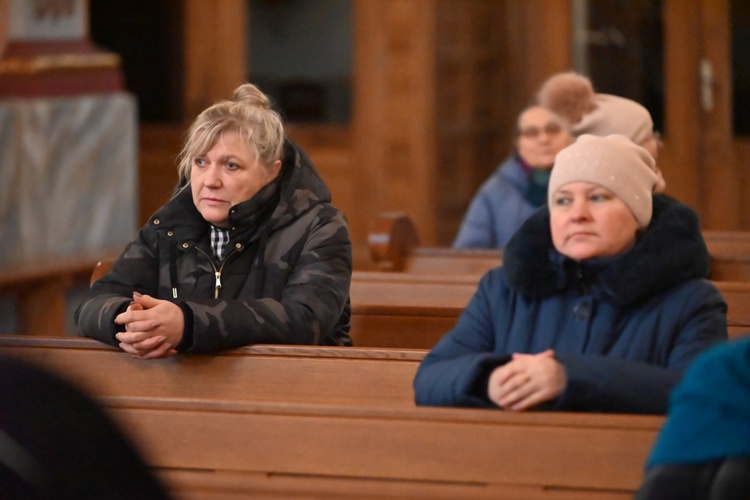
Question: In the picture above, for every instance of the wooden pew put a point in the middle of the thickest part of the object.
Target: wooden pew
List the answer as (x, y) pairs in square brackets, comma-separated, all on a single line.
[(393, 243), (41, 288), (283, 420), (400, 311), (397, 309), (403, 310), (414, 310), (737, 297), (475, 452), (730, 255), (295, 374)]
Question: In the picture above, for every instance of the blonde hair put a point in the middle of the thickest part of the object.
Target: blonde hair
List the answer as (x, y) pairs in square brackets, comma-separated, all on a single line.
[(248, 113)]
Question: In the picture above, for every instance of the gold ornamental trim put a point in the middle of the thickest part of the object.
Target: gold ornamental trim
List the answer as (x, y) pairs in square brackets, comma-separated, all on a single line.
[(52, 62)]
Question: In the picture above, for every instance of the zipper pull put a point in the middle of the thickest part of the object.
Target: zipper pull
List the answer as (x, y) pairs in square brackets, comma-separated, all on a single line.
[(218, 284)]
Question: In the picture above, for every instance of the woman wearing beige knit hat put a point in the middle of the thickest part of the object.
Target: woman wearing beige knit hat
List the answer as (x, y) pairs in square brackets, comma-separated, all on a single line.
[(600, 196), (572, 96), (601, 302)]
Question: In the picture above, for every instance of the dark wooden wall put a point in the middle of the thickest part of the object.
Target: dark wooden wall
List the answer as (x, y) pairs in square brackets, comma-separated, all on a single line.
[(437, 85)]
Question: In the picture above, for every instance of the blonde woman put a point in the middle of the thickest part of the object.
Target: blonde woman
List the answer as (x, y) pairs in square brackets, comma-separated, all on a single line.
[(250, 250)]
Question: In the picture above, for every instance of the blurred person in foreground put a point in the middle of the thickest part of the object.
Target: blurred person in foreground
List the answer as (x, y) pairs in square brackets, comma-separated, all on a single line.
[(56, 443), (703, 450)]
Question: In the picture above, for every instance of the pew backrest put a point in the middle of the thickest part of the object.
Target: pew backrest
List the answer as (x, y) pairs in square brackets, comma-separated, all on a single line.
[(730, 255), (41, 290), (393, 243), (581, 453), (409, 313), (737, 297), (414, 310), (310, 374)]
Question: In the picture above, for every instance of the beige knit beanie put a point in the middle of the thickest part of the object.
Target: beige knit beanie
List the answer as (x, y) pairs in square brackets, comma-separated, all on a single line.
[(614, 162), (572, 96), (616, 115)]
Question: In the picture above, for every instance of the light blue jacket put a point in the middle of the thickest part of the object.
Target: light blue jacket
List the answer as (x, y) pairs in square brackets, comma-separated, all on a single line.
[(498, 209)]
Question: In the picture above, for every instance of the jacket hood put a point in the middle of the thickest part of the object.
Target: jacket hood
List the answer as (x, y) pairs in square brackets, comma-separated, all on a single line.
[(299, 187), (670, 251)]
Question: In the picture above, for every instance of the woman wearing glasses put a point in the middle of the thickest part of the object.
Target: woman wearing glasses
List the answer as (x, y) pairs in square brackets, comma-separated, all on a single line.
[(519, 186)]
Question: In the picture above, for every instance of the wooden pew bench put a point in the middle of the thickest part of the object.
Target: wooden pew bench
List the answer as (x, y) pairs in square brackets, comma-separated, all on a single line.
[(40, 290), (298, 374), (414, 310), (403, 310), (730, 255), (274, 420), (398, 309), (475, 452), (393, 243)]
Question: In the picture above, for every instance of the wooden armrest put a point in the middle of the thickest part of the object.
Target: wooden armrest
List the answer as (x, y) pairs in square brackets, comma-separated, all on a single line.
[(391, 237)]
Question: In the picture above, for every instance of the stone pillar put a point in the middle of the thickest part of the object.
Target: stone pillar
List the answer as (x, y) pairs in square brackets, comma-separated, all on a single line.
[(68, 158)]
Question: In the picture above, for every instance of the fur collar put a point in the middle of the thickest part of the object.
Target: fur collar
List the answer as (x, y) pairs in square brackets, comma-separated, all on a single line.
[(670, 251)]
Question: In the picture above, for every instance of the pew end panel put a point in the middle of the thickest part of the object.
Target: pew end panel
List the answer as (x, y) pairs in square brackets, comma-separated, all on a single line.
[(42, 291), (393, 243), (390, 238), (730, 255), (737, 297)]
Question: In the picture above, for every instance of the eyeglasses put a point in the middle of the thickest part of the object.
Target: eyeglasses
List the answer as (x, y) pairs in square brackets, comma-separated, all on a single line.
[(550, 129)]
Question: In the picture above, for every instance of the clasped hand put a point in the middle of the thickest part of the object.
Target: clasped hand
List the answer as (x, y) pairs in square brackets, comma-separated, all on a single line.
[(526, 381), (153, 327)]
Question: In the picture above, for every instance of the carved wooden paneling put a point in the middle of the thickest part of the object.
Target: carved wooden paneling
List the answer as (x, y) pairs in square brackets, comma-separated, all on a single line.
[(394, 109), (721, 193), (436, 89), (471, 91), (215, 44)]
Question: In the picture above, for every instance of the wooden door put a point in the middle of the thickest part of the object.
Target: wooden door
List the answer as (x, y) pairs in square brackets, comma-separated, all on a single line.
[(676, 57), (702, 150), (724, 76)]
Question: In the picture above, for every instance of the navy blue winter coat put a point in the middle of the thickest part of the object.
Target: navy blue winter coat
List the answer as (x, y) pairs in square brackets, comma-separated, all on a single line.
[(624, 328)]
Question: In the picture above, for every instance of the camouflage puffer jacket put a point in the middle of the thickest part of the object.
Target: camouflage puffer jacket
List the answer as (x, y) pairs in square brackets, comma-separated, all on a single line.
[(284, 280)]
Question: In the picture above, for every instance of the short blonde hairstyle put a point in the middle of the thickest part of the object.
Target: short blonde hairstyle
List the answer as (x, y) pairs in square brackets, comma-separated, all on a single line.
[(249, 113)]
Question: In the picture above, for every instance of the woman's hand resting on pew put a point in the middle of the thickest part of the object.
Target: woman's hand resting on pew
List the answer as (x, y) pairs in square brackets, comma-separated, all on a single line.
[(526, 381), (153, 327)]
